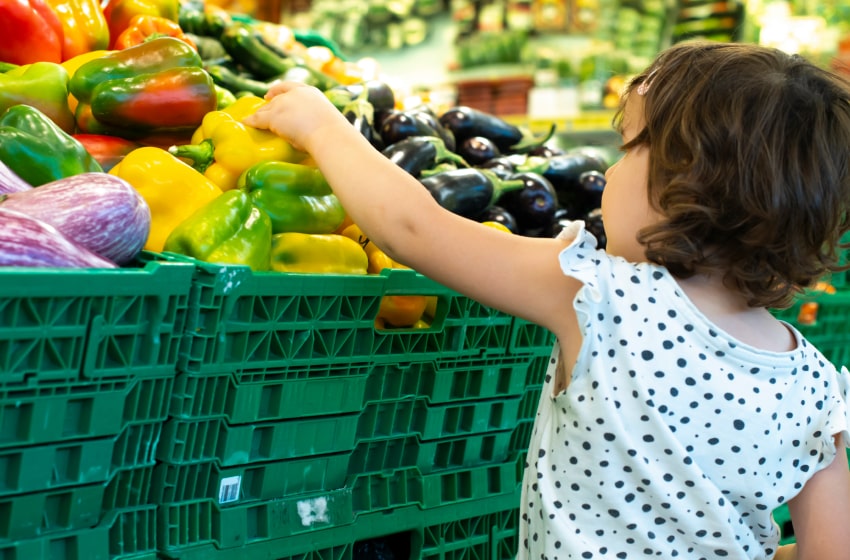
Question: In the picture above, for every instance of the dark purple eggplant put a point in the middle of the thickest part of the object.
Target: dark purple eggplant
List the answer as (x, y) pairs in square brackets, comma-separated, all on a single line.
[(563, 172), (533, 205), (466, 122), (498, 214), (500, 165), (98, 211), (468, 191), (415, 154), (593, 224), (399, 125), (364, 126), (10, 182), (546, 151), (592, 184), (478, 150), (378, 93), (29, 242)]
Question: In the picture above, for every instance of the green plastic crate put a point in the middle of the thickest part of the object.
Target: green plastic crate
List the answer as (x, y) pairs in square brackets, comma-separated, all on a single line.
[(241, 484), (485, 529), (245, 397), (213, 439), (830, 332), (82, 481), (127, 534), (244, 319), (79, 410), (60, 325), (202, 523)]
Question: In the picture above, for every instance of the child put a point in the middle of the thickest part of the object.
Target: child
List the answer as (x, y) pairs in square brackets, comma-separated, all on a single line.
[(677, 412)]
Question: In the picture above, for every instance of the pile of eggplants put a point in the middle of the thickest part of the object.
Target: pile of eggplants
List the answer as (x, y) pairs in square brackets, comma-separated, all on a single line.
[(479, 166)]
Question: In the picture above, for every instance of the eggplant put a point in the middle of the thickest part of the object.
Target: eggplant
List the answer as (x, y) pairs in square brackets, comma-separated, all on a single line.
[(533, 205), (563, 171), (28, 242), (468, 191), (593, 224), (399, 125), (415, 154), (478, 149), (498, 214), (378, 93), (500, 165), (98, 211), (592, 184), (10, 182), (465, 122)]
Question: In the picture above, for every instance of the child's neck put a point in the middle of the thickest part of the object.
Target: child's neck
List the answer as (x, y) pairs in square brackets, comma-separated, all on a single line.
[(728, 310)]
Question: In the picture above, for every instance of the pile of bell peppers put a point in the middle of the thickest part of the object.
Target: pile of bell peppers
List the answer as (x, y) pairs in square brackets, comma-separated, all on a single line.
[(131, 89)]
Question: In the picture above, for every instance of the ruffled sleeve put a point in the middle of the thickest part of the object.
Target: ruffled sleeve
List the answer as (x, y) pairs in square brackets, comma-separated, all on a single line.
[(582, 260), (839, 407)]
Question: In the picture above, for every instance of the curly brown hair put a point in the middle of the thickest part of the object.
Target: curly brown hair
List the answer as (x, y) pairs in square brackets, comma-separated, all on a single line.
[(749, 163)]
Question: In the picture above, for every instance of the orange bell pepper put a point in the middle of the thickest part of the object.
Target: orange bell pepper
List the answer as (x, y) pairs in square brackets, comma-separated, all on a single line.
[(83, 24), (394, 311), (143, 27), (119, 13)]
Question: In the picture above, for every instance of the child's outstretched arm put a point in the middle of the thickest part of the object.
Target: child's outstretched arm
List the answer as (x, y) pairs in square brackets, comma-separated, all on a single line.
[(518, 275)]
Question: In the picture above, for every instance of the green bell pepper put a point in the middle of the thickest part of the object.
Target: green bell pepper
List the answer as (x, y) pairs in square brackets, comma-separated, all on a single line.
[(43, 85), (296, 197), (228, 229), (35, 148)]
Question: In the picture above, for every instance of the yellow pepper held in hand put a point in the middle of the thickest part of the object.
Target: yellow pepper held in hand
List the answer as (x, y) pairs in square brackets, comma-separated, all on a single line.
[(222, 148), (172, 189)]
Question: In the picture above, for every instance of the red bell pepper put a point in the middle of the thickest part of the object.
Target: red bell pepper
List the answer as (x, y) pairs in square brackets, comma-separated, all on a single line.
[(107, 150), (31, 32)]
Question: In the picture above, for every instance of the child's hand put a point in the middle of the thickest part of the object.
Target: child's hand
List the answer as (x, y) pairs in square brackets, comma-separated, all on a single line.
[(296, 112)]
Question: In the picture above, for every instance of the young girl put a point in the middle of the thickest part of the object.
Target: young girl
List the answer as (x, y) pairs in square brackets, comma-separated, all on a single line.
[(677, 412)]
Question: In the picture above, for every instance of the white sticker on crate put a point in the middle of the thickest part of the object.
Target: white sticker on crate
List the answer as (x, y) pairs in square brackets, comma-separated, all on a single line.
[(228, 489), (313, 511)]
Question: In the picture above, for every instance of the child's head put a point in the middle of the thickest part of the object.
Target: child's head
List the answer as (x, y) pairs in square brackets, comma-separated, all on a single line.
[(749, 165)]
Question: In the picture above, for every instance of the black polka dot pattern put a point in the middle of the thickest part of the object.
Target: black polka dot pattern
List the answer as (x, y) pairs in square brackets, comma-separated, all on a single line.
[(672, 440)]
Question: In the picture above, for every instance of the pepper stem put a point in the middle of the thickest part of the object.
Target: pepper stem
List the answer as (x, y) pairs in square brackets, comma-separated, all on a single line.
[(202, 155)]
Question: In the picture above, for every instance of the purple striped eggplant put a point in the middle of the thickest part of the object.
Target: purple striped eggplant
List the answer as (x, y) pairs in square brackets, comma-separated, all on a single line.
[(98, 211), (10, 182), (28, 242)]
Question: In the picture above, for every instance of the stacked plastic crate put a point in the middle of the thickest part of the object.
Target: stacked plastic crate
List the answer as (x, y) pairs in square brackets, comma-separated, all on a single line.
[(87, 365), (299, 430)]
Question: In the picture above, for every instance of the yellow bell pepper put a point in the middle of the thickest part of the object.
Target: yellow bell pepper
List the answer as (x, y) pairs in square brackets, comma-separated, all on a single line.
[(222, 148), (394, 311), (84, 26), (172, 189), (320, 253)]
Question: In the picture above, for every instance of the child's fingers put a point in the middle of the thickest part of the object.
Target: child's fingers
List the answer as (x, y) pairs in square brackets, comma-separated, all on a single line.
[(282, 87)]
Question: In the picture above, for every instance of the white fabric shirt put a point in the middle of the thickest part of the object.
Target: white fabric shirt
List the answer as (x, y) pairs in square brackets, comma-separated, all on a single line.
[(672, 439)]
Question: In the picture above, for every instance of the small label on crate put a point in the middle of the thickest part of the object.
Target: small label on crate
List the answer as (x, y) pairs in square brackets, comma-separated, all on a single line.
[(228, 490), (313, 511)]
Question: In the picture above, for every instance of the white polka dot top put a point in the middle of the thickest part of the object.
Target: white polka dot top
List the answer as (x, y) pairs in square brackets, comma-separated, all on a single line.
[(672, 439)]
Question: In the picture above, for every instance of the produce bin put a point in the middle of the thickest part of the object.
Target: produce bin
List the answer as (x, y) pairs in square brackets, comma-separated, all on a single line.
[(64, 325), (485, 528), (241, 320), (88, 359)]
